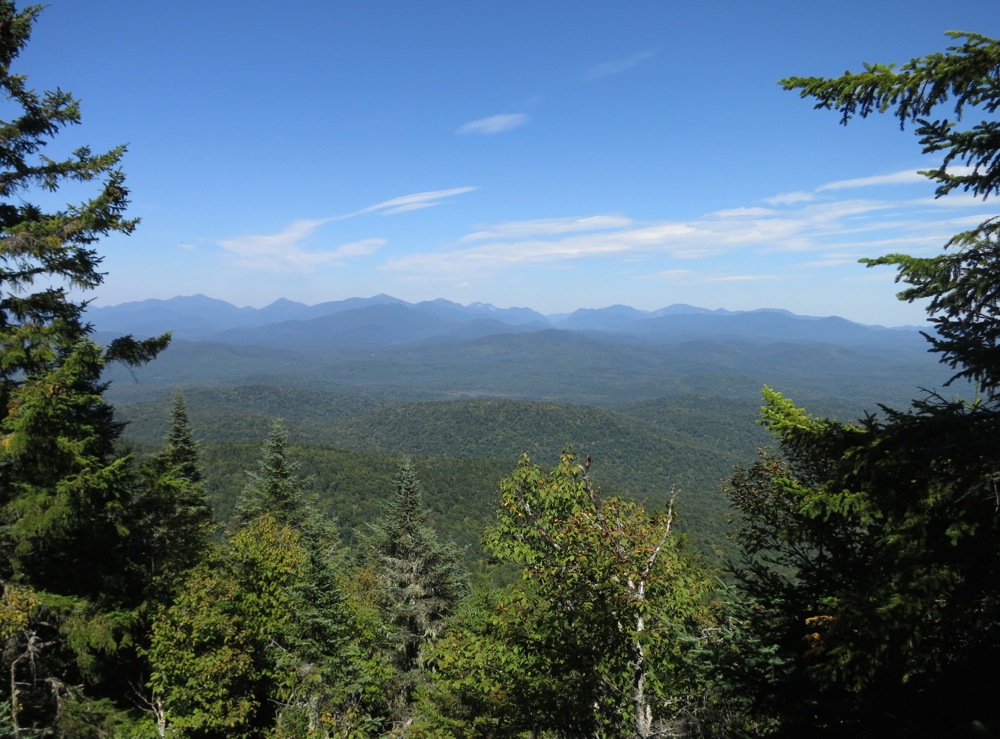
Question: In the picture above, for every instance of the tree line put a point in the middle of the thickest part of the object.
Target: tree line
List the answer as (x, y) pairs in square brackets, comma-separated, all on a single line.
[(864, 602)]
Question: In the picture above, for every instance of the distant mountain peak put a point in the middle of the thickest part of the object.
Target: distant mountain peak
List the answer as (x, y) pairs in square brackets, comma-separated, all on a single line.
[(385, 320), (685, 309)]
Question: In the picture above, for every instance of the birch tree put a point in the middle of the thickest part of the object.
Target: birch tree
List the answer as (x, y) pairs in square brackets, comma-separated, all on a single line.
[(612, 602)]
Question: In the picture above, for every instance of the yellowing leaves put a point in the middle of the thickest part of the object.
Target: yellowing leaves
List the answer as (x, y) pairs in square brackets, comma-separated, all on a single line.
[(16, 605)]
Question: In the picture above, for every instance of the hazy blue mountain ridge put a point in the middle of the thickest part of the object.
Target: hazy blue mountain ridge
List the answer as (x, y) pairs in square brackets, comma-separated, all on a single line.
[(663, 399), (382, 321)]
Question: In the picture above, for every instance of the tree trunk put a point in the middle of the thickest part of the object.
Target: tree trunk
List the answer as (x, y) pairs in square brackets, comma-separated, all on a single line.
[(643, 711)]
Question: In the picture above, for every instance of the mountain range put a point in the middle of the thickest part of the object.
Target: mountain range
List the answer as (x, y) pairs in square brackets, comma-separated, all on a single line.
[(385, 321), (662, 398)]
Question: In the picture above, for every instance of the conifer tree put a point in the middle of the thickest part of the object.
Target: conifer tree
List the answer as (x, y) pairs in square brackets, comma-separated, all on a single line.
[(421, 579), (274, 487), (181, 451), (170, 514), (277, 652), (960, 284), (63, 489), (873, 548), (314, 657)]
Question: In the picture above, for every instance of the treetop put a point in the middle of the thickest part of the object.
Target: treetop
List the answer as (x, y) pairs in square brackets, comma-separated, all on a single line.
[(966, 74)]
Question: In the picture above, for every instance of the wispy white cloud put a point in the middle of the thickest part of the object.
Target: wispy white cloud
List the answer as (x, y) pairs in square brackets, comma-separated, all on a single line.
[(548, 227), (494, 124), (827, 226), (692, 277), (790, 198), (741, 278), (285, 250), (673, 273), (829, 262), (282, 251), (743, 213), (407, 203), (906, 177), (609, 69), (954, 200), (361, 248), (681, 240)]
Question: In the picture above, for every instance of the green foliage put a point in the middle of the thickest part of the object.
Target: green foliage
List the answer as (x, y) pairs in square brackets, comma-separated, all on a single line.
[(487, 674), (64, 492), (202, 657), (872, 548), (217, 651), (600, 639), (961, 285), (463, 447), (318, 391), (870, 553), (274, 488), (46, 254), (182, 452), (170, 515), (419, 578), (65, 536), (966, 76), (262, 637)]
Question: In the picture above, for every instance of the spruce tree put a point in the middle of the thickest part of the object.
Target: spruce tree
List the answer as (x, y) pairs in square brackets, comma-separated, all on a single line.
[(259, 637), (170, 515), (937, 95), (182, 451), (274, 487), (421, 579), (313, 673), (64, 491), (873, 548)]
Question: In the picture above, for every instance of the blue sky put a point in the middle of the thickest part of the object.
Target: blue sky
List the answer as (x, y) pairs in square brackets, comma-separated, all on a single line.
[(549, 154)]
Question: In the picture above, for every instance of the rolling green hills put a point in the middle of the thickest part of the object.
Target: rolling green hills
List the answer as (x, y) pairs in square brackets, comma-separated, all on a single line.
[(657, 413)]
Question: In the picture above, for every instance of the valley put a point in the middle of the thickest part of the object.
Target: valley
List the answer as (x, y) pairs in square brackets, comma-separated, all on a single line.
[(662, 401)]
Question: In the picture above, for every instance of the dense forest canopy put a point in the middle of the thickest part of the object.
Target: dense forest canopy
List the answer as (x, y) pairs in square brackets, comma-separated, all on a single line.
[(861, 600)]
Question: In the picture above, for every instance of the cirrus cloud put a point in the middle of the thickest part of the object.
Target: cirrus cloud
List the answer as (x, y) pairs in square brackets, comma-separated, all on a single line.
[(829, 229), (548, 226), (494, 124), (609, 69), (285, 251), (415, 201), (906, 177)]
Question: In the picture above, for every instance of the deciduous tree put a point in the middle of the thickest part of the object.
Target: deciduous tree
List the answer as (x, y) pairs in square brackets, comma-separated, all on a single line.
[(260, 638), (601, 638)]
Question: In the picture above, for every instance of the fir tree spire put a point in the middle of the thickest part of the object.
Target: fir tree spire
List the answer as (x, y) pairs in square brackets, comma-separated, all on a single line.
[(275, 487), (421, 579), (181, 452)]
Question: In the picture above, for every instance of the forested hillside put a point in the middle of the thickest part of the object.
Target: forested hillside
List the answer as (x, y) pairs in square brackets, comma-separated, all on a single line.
[(660, 417), (463, 448), (432, 520), (554, 365)]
